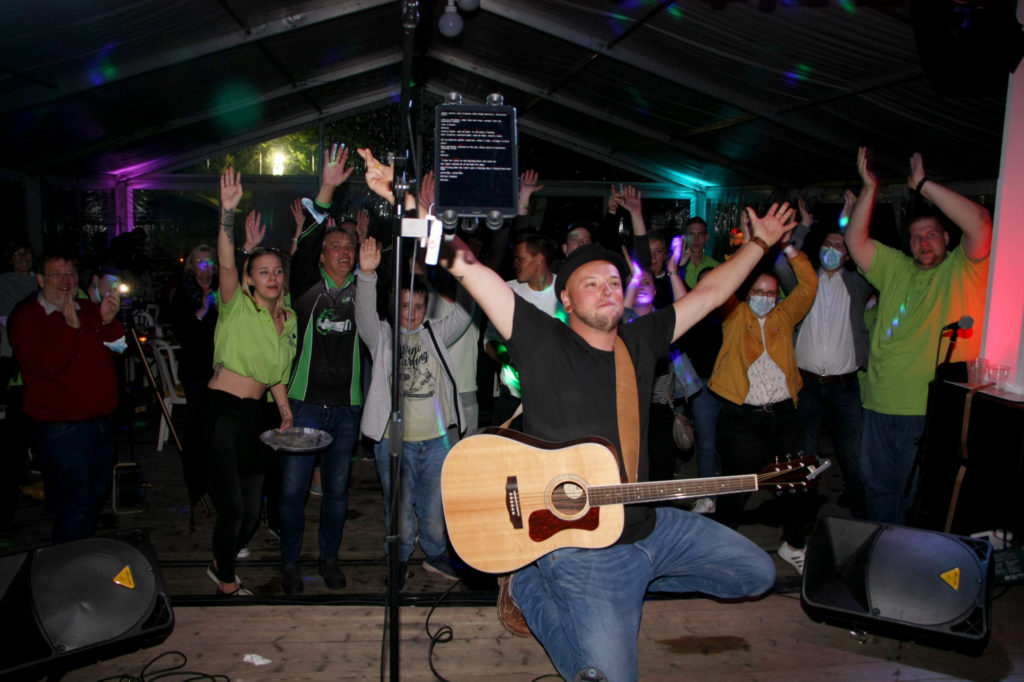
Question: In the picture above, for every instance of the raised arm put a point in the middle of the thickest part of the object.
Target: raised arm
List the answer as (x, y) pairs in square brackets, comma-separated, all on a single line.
[(632, 201), (858, 233), (527, 186), (672, 264), (723, 280), (230, 195), (486, 287), (974, 219), (335, 173), (629, 295)]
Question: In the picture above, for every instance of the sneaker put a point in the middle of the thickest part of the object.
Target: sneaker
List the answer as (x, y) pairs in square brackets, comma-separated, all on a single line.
[(239, 592), (291, 578), (243, 553), (334, 578), (444, 567), (704, 505), (792, 556), (212, 575)]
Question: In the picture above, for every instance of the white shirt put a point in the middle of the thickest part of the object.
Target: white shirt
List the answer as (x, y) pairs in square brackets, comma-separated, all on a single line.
[(767, 380), (824, 344)]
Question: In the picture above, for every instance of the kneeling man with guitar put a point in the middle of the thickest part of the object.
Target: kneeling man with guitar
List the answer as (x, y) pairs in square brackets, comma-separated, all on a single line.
[(581, 382)]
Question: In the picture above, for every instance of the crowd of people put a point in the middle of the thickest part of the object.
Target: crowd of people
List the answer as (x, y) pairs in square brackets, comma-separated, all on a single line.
[(766, 347)]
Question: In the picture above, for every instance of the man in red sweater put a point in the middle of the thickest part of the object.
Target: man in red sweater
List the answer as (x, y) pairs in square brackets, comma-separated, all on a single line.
[(70, 392)]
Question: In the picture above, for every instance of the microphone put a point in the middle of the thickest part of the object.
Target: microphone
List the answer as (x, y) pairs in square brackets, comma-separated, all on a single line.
[(965, 322)]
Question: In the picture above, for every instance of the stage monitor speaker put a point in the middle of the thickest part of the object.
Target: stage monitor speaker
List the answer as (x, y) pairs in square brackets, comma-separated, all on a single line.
[(70, 605), (928, 587)]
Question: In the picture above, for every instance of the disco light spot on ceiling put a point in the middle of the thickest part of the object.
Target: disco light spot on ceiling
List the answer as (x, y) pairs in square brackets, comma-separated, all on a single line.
[(238, 108)]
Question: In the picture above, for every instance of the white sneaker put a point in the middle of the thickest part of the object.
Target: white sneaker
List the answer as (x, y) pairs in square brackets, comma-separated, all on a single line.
[(793, 557), (243, 553), (704, 505)]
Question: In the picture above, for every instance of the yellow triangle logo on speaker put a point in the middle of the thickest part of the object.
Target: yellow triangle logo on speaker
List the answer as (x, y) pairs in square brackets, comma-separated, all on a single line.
[(124, 578), (952, 578)]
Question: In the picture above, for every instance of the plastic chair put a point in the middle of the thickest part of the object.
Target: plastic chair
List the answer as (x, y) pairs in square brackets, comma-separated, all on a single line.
[(142, 320), (171, 389)]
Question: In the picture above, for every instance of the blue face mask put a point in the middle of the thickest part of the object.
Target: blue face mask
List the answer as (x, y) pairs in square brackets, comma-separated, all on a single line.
[(118, 346), (830, 258), (762, 305)]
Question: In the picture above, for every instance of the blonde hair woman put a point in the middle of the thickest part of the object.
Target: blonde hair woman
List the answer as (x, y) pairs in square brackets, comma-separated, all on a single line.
[(254, 344)]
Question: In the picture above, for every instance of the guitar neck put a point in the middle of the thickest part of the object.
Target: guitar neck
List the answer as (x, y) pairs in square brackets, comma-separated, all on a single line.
[(659, 491)]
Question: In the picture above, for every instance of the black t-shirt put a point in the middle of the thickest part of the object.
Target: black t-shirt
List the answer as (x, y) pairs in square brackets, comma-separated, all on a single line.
[(568, 386), (327, 366)]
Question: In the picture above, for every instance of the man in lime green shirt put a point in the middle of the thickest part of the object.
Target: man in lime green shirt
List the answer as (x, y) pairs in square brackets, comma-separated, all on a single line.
[(918, 295), (696, 233)]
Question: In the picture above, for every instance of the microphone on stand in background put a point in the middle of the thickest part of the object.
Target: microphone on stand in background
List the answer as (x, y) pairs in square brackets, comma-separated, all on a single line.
[(965, 322)]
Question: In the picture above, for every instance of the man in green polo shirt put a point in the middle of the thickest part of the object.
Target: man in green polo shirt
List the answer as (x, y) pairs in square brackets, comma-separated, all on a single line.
[(918, 295)]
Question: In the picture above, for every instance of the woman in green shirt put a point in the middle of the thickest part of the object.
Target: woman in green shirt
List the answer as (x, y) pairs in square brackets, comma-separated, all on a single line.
[(254, 344)]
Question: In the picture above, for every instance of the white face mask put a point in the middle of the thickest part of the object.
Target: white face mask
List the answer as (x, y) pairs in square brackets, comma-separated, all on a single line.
[(118, 346), (830, 258), (762, 305)]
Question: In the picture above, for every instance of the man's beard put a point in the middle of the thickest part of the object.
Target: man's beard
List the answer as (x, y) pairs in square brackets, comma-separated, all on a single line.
[(600, 321)]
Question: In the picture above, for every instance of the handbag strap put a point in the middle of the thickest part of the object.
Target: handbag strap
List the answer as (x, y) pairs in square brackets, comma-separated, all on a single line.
[(628, 408)]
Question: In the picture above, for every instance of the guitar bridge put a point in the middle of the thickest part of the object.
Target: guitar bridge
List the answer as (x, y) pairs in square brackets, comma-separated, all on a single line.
[(515, 510)]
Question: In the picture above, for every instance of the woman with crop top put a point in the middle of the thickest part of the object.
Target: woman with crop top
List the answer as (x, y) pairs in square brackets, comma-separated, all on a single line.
[(254, 344)]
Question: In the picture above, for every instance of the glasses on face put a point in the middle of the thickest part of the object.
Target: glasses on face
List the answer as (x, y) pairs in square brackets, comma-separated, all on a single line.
[(60, 275), (205, 263), (764, 292)]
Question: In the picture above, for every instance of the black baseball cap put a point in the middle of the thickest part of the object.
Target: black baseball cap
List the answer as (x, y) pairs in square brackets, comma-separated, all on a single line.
[(587, 254)]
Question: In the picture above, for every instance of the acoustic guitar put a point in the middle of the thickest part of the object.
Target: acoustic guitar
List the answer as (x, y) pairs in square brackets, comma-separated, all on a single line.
[(509, 499)]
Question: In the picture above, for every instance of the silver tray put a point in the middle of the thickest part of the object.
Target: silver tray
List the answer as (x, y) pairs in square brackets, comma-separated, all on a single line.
[(297, 439)]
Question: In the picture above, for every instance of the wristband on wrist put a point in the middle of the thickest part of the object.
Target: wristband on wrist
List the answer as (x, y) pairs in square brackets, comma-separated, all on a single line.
[(323, 206), (760, 242), (921, 184)]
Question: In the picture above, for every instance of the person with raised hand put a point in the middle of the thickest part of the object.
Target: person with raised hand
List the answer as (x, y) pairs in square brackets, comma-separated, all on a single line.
[(254, 343), (918, 295), (431, 407), (584, 605)]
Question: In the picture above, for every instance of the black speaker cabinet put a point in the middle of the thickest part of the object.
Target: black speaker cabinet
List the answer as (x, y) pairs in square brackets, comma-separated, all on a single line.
[(928, 587), (70, 605)]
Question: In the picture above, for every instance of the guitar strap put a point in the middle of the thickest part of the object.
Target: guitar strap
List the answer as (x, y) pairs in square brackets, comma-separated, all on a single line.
[(628, 406)]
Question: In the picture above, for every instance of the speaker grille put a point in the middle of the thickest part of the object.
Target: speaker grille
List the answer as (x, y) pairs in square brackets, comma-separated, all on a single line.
[(78, 596)]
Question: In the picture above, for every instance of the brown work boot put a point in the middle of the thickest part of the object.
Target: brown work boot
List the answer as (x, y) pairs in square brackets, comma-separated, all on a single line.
[(508, 613)]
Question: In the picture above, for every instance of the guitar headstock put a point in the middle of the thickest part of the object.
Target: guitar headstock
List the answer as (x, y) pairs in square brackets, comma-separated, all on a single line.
[(796, 473)]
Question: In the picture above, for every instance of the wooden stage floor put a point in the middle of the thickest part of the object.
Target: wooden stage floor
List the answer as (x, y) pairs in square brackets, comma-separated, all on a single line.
[(332, 635)]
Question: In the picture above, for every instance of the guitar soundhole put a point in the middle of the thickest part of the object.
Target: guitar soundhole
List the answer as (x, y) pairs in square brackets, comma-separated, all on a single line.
[(568, 498)]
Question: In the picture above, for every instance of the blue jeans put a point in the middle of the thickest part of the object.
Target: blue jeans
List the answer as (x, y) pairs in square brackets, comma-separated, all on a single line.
[(420, 495), (342, 422), (77, 460), (838, 405), (584, 605), (706, 406), (887, 451)]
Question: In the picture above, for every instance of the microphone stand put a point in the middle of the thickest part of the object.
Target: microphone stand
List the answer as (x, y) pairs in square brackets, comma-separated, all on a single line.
[(410, 19), (952, 344)]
